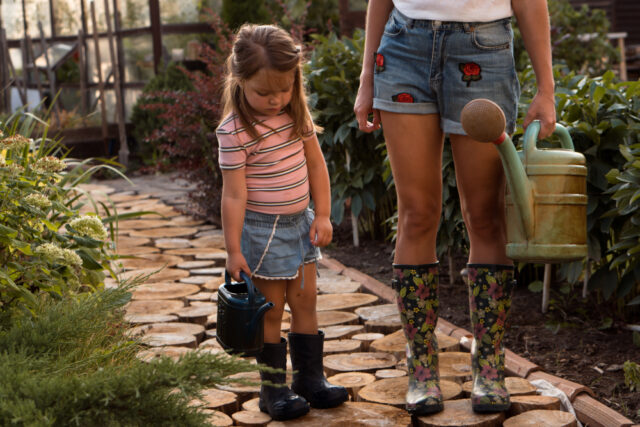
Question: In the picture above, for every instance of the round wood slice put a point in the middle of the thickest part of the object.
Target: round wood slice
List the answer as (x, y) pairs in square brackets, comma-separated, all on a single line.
[(344, 301), (189, 265), (156, 275), (354, 414), (186, 221), (208, 230), (384, 325), (149, 261), (244, 392), (127, 242), (363, 362), (141, 319), (211, 271), (197, 280), (520, 404), (252, 405), (392, 391), (212, 320), (210, 343), (195, 314), (329, 286), (154, 353), (390, 373), (170, 328), (127, 196), (516, 386), (163, 232), (459, 413), (352, 381), (219, 257), (142, 224), (209, 241), (217, 418), (210, 333), (251, 418), (213, 284), (341, 331), (376, 311), (341, 346), (172, 243), (329, 318), (367, 338), (396, 343), (540, 417), (220, 400), (455, 366), (136, 250), (153, 307), (175, 340), (200, 296), (194, 251), (160, 291)]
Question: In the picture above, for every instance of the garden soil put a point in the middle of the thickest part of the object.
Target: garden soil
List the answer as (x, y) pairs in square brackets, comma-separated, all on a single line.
[(568, 342)]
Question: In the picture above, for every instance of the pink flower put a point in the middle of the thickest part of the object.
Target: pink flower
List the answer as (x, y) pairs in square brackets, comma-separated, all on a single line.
[(422, 374), (471, 274), (434, 391), (400, 304), (411, 331), (479, 331), (495, 291), (502, 317), (423, 291), (431, 317), (489, 373)]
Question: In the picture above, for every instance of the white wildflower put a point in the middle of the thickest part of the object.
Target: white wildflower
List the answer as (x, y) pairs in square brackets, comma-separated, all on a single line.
[(15, 169), (49, 164), (37, 200), (91, 226), (14, 142), (57, 254), (71, 258)]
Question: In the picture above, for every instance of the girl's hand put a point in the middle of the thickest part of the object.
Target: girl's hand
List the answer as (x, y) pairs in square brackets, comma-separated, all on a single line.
[(321, 231), (364, 106), (235, 264), (542, 108)]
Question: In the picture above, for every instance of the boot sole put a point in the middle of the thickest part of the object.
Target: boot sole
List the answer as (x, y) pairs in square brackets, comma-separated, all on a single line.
[(425, 410), (490, 408), (290, 415)]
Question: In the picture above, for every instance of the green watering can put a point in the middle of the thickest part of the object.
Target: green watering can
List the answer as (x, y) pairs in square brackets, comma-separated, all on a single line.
[(546, 199)]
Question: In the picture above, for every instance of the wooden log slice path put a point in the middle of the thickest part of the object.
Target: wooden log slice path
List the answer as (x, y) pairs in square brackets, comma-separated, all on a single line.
[(361, 362), (213, 284), (156, 275), (251, 418), (127, 242), (216, 256), (352, 381), (196, 313), (154, 353), (136, 250), (199, 297), (143, 318), (252, 405), (157, 233), (376, 311), (189, 265), (150, 307), (455, 366), (211, 271), (186, 221), (172, 243), (169, 328), (209, 241), (539, 417), (351, 414), (217, 418), (392, 391), (149, 261), (167, 339), (384, 325), (330, 302), (329, 318), (341, 346), (195, 251), (142, 224), (341, 331), (220, 400), (459, 413), (390, 373), (521, 404), (341, 285), (516, 386), (396, 343), (367, 338), (162, 291), (244, 392), (197, 280)]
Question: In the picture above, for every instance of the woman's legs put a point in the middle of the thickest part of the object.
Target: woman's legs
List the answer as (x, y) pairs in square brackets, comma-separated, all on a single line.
[(274, 291), (302, 301)]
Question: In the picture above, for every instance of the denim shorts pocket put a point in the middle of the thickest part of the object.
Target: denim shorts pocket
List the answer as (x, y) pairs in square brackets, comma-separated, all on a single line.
[(492, 36), (393, 27)]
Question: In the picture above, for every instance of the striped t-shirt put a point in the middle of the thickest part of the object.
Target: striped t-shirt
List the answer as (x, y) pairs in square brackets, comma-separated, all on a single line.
[(275, 164)]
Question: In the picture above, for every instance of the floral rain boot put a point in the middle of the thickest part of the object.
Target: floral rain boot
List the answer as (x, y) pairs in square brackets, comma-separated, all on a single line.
[(417, 288), (490, 288)]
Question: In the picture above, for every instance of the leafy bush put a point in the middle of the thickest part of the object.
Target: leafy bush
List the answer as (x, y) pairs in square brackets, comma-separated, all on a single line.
[(578, 39), (146, 119), (237, 12), (318, 16), (354, 158), (632, 375)]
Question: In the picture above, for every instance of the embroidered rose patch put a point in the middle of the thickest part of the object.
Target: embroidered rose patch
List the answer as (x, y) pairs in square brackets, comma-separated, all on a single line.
[(470, 72), (379, 62), (402, 97)]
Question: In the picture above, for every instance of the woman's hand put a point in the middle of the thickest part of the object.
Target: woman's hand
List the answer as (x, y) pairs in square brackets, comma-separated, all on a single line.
[(235, 264), (321, 231), (542, 108), (364, 106)]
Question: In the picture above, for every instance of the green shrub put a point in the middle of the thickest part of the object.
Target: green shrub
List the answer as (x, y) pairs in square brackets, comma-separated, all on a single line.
[(631, 375), (237, 12)]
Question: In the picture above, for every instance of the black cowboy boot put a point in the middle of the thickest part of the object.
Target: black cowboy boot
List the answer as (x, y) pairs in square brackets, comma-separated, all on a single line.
[(279, 402), (308, 374), (490, 288), (417, 287)]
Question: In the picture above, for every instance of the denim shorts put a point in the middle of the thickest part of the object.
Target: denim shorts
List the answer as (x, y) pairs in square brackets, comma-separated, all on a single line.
[(436, 67), (275, 246)]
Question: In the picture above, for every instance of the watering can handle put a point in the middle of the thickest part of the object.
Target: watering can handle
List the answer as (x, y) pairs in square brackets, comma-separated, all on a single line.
[(531, 136), (245, 277)]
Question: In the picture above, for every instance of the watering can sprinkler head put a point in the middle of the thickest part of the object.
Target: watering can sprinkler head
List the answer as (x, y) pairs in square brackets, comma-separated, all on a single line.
[(484, 121)]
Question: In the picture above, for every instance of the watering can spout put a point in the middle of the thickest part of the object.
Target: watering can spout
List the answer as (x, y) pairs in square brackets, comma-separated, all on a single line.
[(484, 121)]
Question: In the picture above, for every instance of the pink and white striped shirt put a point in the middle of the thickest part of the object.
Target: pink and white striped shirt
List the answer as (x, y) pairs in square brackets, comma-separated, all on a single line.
[(275, 164)]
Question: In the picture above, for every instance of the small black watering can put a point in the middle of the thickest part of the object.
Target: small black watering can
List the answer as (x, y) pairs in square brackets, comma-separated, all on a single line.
[(241, 309)]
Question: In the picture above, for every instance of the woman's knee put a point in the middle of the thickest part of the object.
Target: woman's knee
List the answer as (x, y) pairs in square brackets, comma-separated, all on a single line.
[(419, 218), (484, 222)]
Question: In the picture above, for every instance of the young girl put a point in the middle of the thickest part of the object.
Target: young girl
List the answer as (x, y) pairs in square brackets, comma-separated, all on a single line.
[(271, 160)]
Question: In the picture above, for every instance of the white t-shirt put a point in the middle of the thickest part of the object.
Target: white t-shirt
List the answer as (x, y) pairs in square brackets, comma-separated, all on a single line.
[(458, 10)]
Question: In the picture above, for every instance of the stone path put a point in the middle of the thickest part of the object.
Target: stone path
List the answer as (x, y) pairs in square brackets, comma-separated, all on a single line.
[(176, 311)]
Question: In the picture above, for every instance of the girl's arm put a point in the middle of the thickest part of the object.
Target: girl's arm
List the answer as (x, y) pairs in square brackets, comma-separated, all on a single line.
[(377, 14), (321, 231), (533, 19), (234, 202)]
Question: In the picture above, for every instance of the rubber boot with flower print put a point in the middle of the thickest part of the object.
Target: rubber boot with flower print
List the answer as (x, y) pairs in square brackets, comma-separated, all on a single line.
[(417, 288), (490, 288)]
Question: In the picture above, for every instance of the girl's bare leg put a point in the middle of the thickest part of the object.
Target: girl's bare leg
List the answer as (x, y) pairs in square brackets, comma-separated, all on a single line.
[(414, 143), (302, 302), (273, 290)]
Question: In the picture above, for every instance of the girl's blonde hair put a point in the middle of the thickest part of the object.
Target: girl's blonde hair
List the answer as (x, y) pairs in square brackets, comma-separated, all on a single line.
[(257, 47)]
